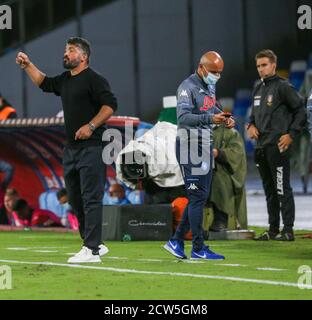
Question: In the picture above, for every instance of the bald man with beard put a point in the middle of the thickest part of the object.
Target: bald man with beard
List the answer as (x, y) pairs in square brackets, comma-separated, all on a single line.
[(197, 112)]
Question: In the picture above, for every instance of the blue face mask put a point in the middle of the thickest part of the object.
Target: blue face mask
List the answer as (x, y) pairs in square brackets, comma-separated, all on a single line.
[(211, 79)]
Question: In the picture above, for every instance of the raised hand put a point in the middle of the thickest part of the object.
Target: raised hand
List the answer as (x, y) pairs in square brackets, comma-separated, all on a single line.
[(22, 60)]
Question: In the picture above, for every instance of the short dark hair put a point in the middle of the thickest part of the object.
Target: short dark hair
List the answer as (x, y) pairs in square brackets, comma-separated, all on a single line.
[(267, 53), (11, 192), (61, 193), (82, 43), (20, 205)]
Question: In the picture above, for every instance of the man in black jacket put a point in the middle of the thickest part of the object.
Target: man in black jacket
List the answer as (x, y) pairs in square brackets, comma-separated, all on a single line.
[(87, 102), (277, 117)]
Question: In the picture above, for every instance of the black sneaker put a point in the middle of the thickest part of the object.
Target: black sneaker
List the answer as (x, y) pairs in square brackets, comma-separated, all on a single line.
[(285, 236), (266, 236)]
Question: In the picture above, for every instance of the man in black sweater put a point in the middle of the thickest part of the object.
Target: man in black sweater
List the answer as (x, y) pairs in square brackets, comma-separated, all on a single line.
[(87, 102), (278, 116)]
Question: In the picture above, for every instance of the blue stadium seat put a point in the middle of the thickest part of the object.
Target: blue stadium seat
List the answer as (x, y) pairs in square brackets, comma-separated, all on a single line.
[(309, 66), (249, 143), (105, 200), (242, 102), (297, 73), (142, 128), (227, 104), (241, 105), (136, 197), (48, 201)]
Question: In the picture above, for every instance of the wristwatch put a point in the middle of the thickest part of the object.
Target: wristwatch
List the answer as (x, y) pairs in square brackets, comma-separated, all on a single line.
[(91, 126)]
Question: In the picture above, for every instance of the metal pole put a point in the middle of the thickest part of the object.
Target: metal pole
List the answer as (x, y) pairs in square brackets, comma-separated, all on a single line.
[(78, 17), (190, 35), (22, 38), (136, 62), (298, 38), (50, 14), (245, 33)]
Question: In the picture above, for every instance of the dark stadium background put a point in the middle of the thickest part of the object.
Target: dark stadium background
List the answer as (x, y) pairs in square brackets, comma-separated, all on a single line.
[(146, 47)]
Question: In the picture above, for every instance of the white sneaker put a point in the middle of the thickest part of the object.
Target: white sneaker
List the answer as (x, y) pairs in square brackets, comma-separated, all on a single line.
[(103, 250), (85, 255)]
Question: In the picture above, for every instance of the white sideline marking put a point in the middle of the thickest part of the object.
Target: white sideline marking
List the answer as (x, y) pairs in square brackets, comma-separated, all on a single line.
[(174, 274), (270, 269), (220, 245), (231, 265), (48, 247), (113, 258), (147, 260), (150, 260), (34, 248), (44, 251), (190, 261)]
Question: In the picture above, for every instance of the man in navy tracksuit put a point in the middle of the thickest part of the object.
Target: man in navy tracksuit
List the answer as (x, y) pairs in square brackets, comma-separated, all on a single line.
[(196, 113)]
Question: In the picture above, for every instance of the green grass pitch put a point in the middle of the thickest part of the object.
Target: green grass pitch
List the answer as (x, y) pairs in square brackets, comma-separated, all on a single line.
[(145, 271)]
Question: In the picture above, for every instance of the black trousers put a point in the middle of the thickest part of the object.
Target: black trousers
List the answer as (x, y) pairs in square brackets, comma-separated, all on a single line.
[(274, 169), (85, 174)]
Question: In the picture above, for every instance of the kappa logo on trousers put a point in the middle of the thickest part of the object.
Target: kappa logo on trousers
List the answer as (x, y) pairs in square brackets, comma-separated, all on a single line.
[(192, 187)]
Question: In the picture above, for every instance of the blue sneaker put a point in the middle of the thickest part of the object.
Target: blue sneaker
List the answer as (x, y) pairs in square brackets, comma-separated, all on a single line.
[(207, 254), (176, 248)]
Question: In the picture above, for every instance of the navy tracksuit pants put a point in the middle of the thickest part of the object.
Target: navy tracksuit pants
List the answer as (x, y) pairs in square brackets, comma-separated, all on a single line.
[(198, 188)]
